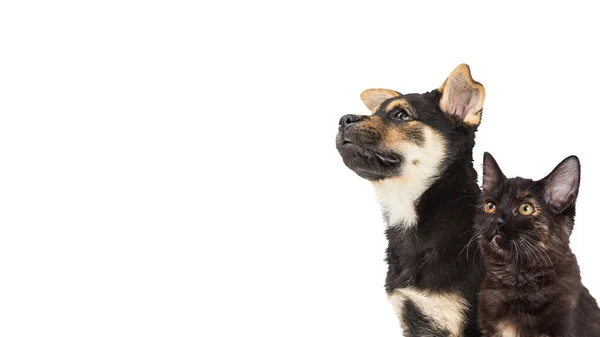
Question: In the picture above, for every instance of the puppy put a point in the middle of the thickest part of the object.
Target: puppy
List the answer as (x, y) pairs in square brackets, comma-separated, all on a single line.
[(416, 149)]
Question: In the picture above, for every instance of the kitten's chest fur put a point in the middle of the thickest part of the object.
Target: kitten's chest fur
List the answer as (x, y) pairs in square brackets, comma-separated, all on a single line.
[(557, 305)]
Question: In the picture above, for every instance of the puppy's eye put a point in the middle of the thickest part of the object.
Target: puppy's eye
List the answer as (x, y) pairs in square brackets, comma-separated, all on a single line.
[(489, 208), (525, 209), (400, 114)]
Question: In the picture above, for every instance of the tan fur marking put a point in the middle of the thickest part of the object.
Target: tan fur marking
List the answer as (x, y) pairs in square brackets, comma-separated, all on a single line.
[(395, 138), (567, 230), (544, 233), (573, 302), (398, 103), (473, 119), (397, 196), (372, 122), (446, 310), (372, 98), (537, 208)]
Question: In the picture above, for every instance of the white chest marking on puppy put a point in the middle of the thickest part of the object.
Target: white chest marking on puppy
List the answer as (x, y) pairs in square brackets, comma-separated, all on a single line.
[(397, 196), (446, 310)]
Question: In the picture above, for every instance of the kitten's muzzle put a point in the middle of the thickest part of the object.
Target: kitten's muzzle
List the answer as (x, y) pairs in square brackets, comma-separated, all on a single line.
[(498, 239), (498, 223)]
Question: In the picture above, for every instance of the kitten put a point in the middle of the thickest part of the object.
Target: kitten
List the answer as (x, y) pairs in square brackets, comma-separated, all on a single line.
[(532, 286)]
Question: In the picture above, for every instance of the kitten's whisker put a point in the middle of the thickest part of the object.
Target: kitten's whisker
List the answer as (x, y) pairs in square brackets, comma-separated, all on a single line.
[(539, 260), (548, 264), (467, 246), (539, 257), (514, 254), (516, 263), (518, 256), (465, 232), (478, 236), (534, 253), (540, 250)]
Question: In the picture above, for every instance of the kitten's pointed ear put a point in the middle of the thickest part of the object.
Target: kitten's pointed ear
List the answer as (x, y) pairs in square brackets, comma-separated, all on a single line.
[(561, 186), (462, 96), (374, 97), (492, 174)]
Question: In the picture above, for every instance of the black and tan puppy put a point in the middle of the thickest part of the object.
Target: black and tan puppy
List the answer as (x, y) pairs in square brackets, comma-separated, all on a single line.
[(416, 149)]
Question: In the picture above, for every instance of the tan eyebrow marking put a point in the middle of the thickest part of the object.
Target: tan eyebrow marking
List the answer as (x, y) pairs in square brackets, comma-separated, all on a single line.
[(400, 103)]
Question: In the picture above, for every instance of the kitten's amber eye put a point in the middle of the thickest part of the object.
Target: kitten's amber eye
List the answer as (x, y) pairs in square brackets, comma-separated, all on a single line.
[(489, 208), (525, 209)]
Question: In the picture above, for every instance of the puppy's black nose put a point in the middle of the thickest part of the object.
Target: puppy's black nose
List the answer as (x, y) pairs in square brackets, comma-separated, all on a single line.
[(348, 119)]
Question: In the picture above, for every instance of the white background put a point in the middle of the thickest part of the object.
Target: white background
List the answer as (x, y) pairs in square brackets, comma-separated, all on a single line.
[(169, 168)]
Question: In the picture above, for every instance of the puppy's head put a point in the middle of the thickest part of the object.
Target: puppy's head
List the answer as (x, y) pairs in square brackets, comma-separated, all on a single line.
[(413, 135)]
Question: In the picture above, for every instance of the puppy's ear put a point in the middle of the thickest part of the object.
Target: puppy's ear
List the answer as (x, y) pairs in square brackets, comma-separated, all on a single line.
[(492, 174), (462, 96), (562, 185), (374, 97)]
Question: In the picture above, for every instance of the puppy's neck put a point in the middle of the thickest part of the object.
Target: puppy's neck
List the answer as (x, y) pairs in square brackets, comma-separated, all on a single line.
[(422, 165), (399, 196)]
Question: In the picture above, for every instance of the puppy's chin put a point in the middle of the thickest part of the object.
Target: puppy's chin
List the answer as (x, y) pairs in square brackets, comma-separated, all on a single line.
[(369, 175), (368, 163)]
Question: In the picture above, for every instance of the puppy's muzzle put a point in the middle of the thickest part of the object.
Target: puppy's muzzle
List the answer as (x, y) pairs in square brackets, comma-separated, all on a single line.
[(346, 120)]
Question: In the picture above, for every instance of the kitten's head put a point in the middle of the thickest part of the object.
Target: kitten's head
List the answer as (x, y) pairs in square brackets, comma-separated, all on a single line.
[(521, 215)]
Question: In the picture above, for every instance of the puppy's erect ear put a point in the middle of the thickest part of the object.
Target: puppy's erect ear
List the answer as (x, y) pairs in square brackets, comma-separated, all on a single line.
[(462, 96), (492, 174), (374, 97), (562, 185)]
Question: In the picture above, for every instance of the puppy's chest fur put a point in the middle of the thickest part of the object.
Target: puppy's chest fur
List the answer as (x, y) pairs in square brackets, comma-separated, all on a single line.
[(432, 282), (426, 313)]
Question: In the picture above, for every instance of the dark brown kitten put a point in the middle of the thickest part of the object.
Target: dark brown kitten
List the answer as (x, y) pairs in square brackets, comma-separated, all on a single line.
[(532, 285)]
